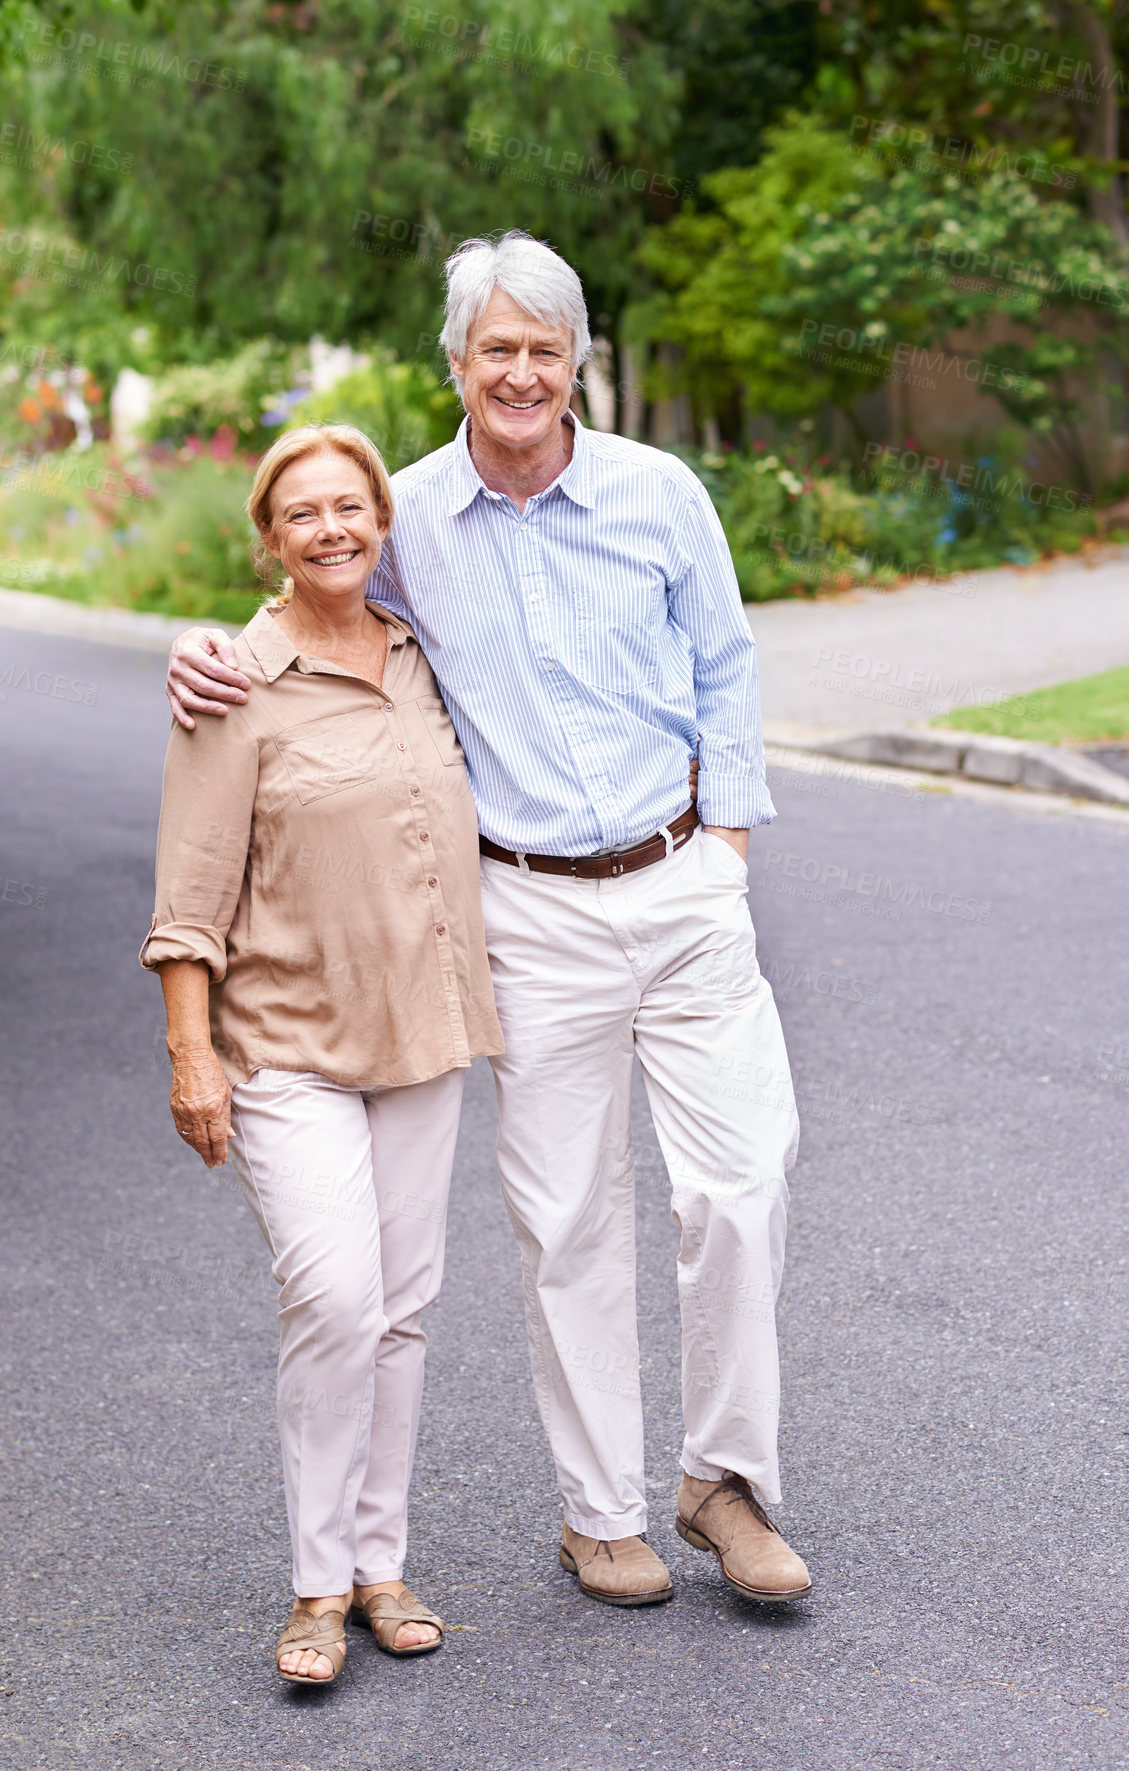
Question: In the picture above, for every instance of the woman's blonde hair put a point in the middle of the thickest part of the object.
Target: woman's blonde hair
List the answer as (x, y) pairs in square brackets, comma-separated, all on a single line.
[(294, 445)]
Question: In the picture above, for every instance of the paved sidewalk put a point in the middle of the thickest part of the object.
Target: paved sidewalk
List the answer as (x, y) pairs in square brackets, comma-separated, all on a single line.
[(874, 660)]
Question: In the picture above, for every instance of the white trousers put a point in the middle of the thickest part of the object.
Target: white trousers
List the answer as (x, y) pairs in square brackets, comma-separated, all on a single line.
[(350, 1192), (587, 974)]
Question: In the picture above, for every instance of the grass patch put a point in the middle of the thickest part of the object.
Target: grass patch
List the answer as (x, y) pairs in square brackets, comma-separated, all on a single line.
[(1087, 710)]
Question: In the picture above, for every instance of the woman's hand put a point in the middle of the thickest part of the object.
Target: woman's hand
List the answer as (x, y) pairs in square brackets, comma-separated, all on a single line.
[(201, 1104)]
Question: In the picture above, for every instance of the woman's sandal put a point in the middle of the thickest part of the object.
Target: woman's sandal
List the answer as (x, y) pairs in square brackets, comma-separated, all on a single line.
[(325, 1634), (385, 1612)]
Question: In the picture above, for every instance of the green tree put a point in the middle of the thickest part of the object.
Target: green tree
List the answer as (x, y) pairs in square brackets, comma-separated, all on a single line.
[(819, 270), (294, 170)]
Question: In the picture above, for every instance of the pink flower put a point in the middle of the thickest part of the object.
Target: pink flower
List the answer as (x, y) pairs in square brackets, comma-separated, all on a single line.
[(222, 445)]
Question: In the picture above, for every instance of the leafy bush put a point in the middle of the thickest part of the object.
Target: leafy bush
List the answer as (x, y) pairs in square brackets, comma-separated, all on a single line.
[(171, 536), (403, 407), (799, 530), (232, 396)]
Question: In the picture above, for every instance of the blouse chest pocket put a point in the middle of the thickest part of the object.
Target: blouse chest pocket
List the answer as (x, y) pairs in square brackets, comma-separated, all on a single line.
[(326, 755), (436, 722)]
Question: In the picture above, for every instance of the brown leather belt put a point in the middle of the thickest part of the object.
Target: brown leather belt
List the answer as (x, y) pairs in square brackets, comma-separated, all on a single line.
[(644, 854)]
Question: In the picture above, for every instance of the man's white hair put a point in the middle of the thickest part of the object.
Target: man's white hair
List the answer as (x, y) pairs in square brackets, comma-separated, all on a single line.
[(530, 273)]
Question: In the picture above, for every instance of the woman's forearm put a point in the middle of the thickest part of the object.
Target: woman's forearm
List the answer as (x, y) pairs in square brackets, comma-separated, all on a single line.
[(185, 984)]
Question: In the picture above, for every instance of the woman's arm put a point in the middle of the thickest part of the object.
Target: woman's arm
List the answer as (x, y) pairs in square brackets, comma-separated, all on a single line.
[(207, 811), (201, 1095)]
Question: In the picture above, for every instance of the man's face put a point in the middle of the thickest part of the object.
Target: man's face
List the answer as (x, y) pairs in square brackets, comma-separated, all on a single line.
[(517, 375)]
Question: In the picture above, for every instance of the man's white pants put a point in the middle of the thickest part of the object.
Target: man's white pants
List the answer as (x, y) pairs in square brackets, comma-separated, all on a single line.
[(587, 973), (350, 1191)]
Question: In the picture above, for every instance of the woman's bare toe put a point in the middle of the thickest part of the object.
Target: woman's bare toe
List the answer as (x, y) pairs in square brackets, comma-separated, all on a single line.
[(414, 1635)]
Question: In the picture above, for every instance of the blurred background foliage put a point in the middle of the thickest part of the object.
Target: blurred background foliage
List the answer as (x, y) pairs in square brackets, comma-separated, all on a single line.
[(195, 191)]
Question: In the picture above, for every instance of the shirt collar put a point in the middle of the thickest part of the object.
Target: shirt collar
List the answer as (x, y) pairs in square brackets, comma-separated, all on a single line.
[(575, 480), (274, 652)]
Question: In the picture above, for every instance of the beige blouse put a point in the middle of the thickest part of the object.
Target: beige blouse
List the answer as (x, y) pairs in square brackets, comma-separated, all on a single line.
[(318, 848)]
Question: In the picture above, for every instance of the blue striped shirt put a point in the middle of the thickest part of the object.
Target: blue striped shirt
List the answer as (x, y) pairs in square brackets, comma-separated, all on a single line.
[(586, 647)]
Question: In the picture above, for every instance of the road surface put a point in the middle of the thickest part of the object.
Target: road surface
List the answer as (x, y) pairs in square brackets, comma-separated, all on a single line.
[(951, 970)]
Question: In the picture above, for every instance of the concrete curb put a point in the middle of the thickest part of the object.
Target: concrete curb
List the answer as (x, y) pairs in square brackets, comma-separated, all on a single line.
[(1005, 762), (111, 627)]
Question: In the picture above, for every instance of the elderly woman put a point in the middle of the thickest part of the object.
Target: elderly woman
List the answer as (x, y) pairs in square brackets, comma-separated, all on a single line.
[(324, 970)]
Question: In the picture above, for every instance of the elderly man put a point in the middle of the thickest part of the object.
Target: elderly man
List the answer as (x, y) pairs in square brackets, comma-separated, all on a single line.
[(576, 599)]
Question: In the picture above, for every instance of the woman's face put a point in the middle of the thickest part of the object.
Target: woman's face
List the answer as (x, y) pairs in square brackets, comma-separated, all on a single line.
[(324, 525)]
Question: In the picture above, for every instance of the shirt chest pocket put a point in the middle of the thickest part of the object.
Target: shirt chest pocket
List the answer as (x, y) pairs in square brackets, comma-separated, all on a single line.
[(620, 629), (326, 755)]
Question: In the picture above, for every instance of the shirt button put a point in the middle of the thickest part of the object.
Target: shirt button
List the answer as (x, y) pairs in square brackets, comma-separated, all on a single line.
[(400, 745), (433, 881), (442, 929), (415, 792), (388, 707), (423, 836)]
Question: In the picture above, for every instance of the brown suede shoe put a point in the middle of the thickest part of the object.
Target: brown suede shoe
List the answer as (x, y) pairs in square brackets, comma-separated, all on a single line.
[(622, 1572), (727, 1518)]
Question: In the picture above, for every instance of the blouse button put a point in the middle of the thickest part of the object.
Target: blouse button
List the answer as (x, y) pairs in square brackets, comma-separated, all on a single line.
[(441, 929), (388, 707), (423, 836), (400, 745), (433, 881), (415, 792)]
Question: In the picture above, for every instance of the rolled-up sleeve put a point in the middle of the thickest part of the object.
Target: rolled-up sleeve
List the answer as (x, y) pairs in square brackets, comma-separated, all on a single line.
[(705, 602), (211, 777)]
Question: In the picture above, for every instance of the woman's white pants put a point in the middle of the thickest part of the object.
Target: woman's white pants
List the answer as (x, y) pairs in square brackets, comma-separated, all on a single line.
[(350, 1192)]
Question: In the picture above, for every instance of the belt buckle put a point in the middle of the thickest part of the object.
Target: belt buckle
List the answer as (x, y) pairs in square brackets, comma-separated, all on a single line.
[(617, 869)]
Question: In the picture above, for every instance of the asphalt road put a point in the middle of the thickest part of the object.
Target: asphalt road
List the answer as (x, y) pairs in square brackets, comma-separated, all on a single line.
[(953, 980)]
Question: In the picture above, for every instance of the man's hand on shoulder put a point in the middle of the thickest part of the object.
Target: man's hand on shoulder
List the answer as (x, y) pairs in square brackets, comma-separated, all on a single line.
[(203, 675)]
